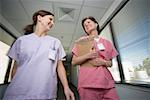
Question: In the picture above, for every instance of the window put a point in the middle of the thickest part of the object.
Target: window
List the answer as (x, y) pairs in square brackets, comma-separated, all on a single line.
[(4, 60), (132, 30)]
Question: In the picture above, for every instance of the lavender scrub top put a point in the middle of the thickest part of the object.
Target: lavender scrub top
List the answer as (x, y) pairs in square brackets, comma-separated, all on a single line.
[(36, 76)]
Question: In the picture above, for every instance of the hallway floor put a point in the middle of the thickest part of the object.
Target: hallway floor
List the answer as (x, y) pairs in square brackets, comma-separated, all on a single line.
[(125, 92)]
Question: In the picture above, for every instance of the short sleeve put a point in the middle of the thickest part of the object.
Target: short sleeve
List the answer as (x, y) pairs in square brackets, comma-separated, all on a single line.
[(113, 52), (61, 51), (74, 50), (14, 50)]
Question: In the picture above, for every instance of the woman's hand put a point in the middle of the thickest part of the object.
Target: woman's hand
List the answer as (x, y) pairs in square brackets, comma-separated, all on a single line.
[(101, 62), (92, 54), (97, 62), (69, 94)]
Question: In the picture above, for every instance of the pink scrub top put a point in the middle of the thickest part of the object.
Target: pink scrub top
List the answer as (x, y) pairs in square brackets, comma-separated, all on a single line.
[(36, 76), (97, 77)]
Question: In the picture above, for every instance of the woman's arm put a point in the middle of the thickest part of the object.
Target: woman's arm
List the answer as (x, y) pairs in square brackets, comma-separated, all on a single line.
[(77, 60), (63, 78), (14, 69), (101, 62)]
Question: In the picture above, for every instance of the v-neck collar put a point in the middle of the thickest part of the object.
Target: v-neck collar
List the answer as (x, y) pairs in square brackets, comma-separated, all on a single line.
[(40, 37)]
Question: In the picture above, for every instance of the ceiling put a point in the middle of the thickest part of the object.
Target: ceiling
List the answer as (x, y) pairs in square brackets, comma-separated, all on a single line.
[(68, 15)]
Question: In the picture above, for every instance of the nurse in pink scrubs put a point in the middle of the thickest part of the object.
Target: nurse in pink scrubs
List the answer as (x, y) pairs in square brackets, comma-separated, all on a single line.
[(95, 83), (38, 61)]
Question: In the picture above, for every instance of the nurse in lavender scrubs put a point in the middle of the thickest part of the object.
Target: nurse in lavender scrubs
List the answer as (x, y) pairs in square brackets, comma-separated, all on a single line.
[(38, 61), (95, 82)]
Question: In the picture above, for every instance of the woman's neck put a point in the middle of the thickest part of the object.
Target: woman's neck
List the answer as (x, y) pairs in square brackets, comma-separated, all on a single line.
[(93, 33), (40, 32)]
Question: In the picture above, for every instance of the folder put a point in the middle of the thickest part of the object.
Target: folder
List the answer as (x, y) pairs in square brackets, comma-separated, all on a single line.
[(84, 46)]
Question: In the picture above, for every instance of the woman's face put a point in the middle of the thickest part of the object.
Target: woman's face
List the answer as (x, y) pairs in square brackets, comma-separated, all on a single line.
[(89, 26), (47, 22)]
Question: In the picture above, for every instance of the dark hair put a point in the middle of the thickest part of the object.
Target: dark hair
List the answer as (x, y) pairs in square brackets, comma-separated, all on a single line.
[(29, 28), (94, 20)]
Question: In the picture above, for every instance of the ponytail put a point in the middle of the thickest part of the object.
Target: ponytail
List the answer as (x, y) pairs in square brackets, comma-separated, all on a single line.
[(28, 29)]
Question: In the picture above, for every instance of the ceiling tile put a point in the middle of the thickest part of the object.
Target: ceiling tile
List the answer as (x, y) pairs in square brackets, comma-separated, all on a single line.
[(32, 6), (66, 14), (66, 11), (90, 11), (74, 2), (98, 3)]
